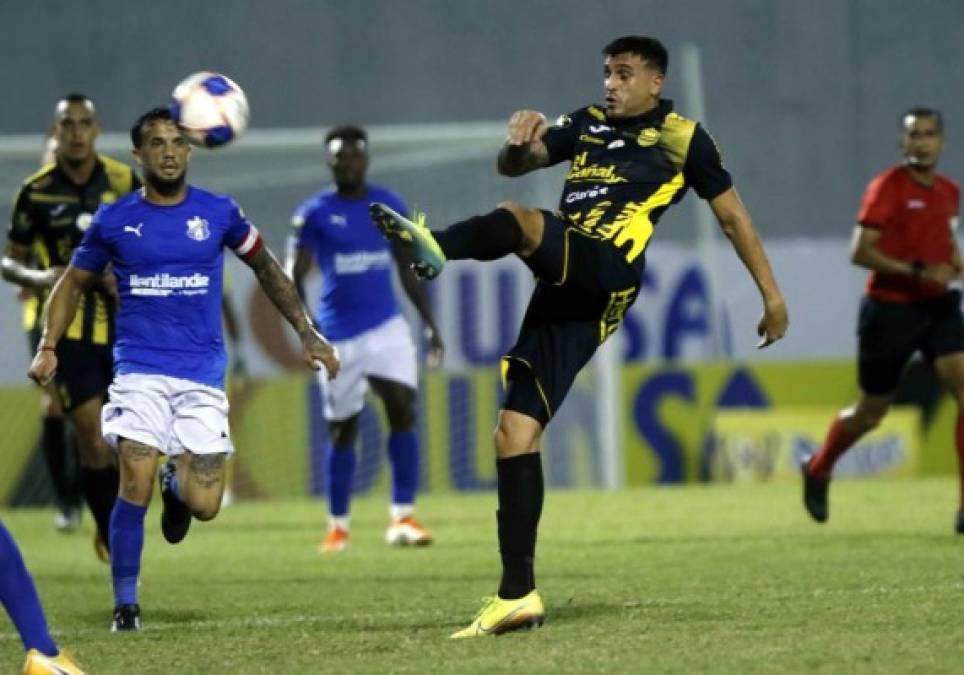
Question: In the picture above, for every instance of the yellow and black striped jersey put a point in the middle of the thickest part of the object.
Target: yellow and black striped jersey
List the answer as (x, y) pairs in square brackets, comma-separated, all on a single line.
[(625, 172), (50, 215)]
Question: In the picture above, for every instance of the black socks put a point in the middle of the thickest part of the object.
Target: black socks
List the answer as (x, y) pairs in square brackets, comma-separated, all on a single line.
[(521, 492), (100, 491), (489, 237)]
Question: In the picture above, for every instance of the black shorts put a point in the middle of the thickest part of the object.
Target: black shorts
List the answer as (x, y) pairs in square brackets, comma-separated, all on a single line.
[(889, 333), (584, 287), (83, 371)]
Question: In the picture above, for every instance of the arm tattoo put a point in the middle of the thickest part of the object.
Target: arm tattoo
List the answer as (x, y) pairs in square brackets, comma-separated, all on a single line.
[(516, 160), (207, 470), (136, 451), (280, 289)]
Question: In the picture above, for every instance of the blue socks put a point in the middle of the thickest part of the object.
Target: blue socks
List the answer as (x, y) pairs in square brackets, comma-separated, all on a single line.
[(126, 544), (341, 472), (403, 453), (19, 596)]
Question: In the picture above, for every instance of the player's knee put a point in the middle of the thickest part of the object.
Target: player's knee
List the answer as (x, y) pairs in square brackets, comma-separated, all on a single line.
[(531, 224), (136, 488), (513, 439), (206, 511)]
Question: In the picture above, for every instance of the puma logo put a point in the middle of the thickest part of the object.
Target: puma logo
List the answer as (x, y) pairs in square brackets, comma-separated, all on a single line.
[(136, 229)]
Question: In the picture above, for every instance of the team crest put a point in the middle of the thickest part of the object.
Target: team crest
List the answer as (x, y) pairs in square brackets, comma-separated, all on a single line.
[(197, 229), (648, 136)]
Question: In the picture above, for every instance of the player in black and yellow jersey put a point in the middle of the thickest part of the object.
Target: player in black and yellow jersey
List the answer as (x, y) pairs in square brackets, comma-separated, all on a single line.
[(630, 159), (52, 210)]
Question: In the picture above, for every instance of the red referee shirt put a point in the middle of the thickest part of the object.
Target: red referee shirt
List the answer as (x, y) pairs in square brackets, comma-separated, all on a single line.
[(916, 222)]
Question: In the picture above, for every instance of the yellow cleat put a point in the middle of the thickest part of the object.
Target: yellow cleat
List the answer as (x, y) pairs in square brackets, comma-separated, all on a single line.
[(499, 616), (38, 664), (427, 255)]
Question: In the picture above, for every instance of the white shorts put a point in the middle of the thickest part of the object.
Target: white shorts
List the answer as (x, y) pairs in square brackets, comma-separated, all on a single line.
[(385, 351), (167, 413)]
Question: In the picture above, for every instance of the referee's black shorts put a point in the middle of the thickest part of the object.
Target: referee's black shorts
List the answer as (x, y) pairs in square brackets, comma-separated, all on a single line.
[(584, 287), (890, 332)]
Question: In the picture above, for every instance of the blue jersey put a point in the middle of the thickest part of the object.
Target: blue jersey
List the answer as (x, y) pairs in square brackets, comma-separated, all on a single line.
[(169, 262), (355, 260)]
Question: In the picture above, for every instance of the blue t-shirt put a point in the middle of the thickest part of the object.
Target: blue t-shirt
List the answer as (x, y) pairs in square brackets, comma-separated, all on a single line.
[(355, 260), (169, 262)]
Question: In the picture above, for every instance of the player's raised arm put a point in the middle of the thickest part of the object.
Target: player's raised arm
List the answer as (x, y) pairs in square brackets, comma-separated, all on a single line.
[(282, 292), (59, 311), (524, 150), (736, 224)]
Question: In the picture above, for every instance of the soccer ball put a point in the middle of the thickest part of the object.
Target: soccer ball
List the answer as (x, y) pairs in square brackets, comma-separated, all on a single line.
[(210, 109)]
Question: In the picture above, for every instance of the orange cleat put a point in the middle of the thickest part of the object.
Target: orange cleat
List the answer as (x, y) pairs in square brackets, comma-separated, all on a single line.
[(408, 532), (336, 540)]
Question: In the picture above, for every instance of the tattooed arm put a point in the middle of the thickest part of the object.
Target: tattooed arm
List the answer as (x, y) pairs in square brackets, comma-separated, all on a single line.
[(281, 291)]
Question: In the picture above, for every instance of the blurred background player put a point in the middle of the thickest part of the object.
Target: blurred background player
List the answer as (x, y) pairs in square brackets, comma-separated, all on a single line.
[(165, 244), (51, 212), (630, 159), (358, 311), (19, 597), (905, 235)]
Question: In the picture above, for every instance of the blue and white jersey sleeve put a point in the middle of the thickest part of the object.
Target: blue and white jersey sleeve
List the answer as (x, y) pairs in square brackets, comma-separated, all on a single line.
[(94, 252), (241, 235)]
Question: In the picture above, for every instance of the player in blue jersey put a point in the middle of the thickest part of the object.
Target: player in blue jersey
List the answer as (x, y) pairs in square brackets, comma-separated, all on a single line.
[(358, 312), (19, 597), (165, 245)]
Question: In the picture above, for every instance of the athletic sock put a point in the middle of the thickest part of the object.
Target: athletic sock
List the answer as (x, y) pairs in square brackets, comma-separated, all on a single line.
[(521, 493), (126, 545), (54, 443), (837, 442), (100, 491), (403, 454), (959, 438), (341, 472), (489, 237), (19, 596)]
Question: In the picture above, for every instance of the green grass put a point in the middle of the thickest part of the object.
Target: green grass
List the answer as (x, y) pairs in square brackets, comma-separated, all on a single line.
[(695, 579)]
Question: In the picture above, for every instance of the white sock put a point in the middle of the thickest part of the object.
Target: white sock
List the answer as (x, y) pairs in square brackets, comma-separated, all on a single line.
[(340, 522), (400, 511)]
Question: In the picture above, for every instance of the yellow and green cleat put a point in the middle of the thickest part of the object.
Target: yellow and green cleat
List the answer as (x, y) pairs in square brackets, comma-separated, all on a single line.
[(38, 664), (499, 616), (427, 256)]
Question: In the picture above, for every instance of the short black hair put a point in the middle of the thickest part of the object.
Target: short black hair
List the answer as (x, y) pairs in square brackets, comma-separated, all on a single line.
[(921, 111), (348, 133), (649, 49), (152, 115)]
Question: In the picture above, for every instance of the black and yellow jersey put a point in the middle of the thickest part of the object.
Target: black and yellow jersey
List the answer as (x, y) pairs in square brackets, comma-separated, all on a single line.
[(625, 172), (51, 214)]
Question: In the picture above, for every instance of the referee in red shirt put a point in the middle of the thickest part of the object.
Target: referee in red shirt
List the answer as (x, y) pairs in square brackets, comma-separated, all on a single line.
[(905, 237)]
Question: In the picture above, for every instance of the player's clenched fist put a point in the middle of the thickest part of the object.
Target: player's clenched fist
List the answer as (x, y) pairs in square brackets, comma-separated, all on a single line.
[(319, 353), (526, 126), (43, 367)]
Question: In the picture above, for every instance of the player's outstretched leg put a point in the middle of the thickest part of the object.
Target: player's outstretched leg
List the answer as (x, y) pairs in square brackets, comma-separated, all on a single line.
[(521, 493), (487, 237)]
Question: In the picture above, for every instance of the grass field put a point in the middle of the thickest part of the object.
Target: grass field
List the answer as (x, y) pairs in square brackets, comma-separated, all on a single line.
[(694, 579)]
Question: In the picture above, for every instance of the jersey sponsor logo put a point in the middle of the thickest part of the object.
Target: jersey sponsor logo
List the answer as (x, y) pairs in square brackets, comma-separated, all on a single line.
[(84, 221), (599, 128), (574, 197), (339, 219), (57, 210), (164, 284), (586, 138), (916, 204), (134, 229), (618, 143), (361, 261), (648, 137), (581, 169), (197, 228)]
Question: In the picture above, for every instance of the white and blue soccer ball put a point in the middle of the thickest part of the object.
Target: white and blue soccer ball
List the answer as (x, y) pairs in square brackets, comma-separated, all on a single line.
[(210, 109)]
